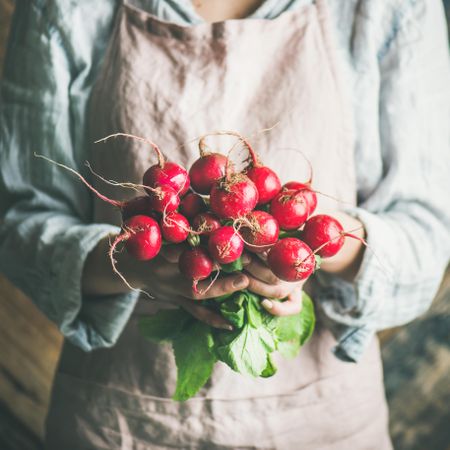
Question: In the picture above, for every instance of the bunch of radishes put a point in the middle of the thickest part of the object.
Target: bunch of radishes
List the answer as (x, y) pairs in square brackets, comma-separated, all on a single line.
[(218, 212)]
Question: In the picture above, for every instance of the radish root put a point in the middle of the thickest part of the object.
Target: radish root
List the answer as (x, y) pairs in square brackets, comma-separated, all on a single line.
[(101, 196), (161, 159), (210, 285), (112, 249), (135, 187)]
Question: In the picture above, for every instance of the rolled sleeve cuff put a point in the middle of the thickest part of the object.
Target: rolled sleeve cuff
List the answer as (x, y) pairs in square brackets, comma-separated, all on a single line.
[(354, 308), (88, 322), (353, 342)]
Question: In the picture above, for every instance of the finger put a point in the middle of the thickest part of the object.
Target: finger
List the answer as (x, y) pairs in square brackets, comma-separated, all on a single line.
[(279, 291), (163, 270), (171, 253), (260, 271), (263, 255), (293, 305), (222, 286), (205, 315), (246, 258)]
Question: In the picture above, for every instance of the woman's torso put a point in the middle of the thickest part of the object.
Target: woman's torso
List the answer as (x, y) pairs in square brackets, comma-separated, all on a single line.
[(199, 82)]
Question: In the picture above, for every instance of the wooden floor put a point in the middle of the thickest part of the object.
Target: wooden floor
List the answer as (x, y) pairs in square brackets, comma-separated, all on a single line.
[(416, 360)]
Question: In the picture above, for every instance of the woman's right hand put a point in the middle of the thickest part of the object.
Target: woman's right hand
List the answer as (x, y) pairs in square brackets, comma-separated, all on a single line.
[(159, 277), (162, 279)]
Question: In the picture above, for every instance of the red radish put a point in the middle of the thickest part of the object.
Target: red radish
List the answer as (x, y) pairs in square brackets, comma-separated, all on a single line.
[(137, 206), (167, 174), (324, 234), (191, 205), (209, 168), (195, 264), (142, 237), (174, 228), (290, 209), (259, 231), (161, 174), (307, 192), (205, 223), (225, 245), (266, 181), (234, 196), (164, 199), (290, 259)]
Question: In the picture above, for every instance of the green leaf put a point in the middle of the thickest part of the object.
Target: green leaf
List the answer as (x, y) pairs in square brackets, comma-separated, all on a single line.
[(245, 351), (195, 360), (165, 325), (307, 319), (293, 331), (233, 310), (254, 313), (288, 328), (235, 266), (270, 322), (193, 240), (289, 349), (265, 207), (271, 368), (284, 234)]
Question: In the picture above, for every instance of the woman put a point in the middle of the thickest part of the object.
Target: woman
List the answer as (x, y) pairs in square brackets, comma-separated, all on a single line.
[(361, 88)]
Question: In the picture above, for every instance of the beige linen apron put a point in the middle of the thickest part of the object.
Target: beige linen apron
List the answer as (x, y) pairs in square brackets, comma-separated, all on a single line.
[(171, 83)]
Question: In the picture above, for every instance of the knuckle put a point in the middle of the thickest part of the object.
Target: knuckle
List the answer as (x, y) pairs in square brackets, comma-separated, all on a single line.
[(273, 279), (200, 314), (279, 292), (228, 287)]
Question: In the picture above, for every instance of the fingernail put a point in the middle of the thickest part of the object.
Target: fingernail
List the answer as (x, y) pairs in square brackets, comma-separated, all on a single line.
[(224, 326), (267, 304), (246, 259), (240, 282)]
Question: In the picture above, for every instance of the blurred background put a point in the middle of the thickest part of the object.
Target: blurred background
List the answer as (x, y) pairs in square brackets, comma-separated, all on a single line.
[(416, 361)]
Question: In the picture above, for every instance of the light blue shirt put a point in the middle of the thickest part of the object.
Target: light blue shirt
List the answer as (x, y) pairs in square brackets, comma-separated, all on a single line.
[(396, 60)]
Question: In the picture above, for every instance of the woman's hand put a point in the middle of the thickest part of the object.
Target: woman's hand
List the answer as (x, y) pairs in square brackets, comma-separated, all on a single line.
[(164, 281), (262, 281), (160, 278)]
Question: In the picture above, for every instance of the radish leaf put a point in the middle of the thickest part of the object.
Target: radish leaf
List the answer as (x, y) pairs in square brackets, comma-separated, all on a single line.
[(195, 360), (233, 310), (307, 319), (271, 368), (234, 266), (253, 309), (246, 350), (165, 325), (289, 349)]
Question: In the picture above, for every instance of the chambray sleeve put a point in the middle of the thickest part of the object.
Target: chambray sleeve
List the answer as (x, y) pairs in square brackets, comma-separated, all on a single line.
[(407, 215), (46, 229)]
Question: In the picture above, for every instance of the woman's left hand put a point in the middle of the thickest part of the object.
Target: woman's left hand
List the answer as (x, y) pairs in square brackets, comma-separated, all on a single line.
[(264, 283)]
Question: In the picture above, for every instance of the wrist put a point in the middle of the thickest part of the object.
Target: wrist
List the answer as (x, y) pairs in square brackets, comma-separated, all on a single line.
[(98, 276), (131, 269)]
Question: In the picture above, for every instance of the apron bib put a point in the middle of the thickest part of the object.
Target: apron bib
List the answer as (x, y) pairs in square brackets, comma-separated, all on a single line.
[(171, 83)]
